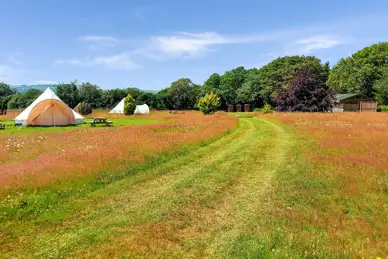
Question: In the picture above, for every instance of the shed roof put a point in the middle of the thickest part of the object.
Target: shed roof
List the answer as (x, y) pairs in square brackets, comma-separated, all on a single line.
[(341, 97)]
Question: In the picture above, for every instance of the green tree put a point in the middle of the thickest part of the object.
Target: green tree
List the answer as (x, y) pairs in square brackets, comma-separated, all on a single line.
[(68, 93), (5, 90), (112, 96), (231, 81), (91, 94), (4, 104), (14, 102), (183, 94), (5, 96), (147, 98), (209, 103), (358, 73), (20, 101), (244, 94), (252, 91), (162, 100), (129, 105), (135, 92), (212, 84), (269, 79), (28, 97), (381, 88)]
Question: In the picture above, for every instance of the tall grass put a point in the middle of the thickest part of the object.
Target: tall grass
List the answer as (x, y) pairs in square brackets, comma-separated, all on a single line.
[(40, 157), (340, 196)]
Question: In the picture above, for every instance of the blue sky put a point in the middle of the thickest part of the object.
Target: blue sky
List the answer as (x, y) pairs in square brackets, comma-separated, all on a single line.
[(149, 44)]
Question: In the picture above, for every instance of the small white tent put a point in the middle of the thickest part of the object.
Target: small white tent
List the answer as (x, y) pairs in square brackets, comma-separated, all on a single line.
[(48, 110), (140, 109), (119, 108)]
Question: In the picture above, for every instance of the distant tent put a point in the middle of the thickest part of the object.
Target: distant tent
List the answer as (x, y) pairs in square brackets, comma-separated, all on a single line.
[(48, 110), (140, 109), (119, 108), (76, 107)]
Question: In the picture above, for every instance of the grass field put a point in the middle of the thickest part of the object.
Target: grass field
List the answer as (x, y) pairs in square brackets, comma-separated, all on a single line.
[(118, 121), (275, 186)]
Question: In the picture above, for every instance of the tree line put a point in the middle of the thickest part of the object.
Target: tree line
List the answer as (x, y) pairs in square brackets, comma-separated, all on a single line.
[(289, 83)]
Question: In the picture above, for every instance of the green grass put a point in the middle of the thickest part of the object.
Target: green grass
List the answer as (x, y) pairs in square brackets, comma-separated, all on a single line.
[(173, 191), (117, 122), (239, 196)]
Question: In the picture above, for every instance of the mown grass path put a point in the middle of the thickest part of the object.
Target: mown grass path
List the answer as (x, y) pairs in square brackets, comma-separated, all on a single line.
[(207, 203)]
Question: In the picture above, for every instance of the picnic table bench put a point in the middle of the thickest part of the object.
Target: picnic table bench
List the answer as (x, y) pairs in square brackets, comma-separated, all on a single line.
[(2, 126), (100, 120)]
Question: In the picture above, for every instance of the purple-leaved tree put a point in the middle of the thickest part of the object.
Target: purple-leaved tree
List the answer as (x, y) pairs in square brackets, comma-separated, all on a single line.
[(307, 92)]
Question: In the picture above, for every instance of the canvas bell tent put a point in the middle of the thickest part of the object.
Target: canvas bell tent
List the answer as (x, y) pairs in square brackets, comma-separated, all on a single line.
[(140, 109), (48, 110), (119, 108)]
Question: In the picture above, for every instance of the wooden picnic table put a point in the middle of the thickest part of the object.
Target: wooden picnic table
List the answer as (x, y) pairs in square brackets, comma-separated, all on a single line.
[(100, 120)]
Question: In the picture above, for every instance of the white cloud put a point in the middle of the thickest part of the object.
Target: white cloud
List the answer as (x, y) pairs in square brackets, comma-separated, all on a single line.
[(75, 62), (307, 45), (97, 42), (120, 61), (192, 44), (187, 42), (98, 38)]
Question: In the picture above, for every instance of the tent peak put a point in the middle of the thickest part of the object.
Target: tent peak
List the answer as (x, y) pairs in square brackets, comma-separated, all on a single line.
[(48, 89)]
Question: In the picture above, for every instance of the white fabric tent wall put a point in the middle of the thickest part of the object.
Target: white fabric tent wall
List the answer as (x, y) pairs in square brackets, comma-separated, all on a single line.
[(119, 108), (57, 117), (140, 109)]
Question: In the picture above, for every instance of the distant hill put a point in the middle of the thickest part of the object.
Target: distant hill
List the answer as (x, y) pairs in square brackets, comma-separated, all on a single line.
[(25, 88)]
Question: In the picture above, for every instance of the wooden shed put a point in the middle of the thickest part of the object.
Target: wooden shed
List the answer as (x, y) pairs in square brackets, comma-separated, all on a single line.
[(354, 103)]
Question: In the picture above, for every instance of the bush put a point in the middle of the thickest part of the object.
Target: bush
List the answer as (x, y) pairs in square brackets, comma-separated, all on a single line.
[(129, 105), (256, 110), (267, 108), (382, 108), (209, 103), (84, 108)]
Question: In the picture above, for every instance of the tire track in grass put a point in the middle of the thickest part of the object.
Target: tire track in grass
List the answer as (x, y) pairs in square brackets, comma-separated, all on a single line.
[(128, 202), (239, 218), (192, 205), (217, 203)]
